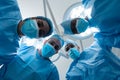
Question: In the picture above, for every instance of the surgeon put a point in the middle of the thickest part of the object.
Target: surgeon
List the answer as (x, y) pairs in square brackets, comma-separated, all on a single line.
[(104, 16), (12, 27), (96, 62), (32, 63), (72, 49)]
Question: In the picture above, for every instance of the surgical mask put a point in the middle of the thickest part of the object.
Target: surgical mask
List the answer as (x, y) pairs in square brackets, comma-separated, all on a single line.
[(81, 25), (30, 28), (48, 50), (73, 53)]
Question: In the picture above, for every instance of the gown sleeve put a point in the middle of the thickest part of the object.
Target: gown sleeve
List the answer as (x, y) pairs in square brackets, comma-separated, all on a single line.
[(9, 18)]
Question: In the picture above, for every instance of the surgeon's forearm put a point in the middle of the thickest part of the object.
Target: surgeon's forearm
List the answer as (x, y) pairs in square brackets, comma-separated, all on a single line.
[(9, 9)]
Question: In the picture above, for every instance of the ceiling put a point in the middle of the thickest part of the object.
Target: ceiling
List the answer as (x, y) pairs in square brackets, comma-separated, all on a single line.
[(35, 8)]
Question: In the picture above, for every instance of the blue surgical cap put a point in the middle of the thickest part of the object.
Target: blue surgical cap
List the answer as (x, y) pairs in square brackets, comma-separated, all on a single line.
[(58, 38), (50, 24), (67, 27)]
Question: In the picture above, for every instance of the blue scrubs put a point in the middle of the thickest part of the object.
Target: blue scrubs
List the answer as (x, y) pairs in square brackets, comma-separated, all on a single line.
[(9, 19), (29, 65), (106, 17), (95, 63)]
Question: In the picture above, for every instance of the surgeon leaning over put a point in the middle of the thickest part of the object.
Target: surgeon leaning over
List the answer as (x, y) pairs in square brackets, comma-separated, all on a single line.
[(104, 16), (98, 62), (93, 63), (12, 27), (34, 64)]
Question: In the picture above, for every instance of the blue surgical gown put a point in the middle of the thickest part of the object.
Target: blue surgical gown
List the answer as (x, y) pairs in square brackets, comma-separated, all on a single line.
[(9, 19), (95, 63), (106, 17), (29, 65)]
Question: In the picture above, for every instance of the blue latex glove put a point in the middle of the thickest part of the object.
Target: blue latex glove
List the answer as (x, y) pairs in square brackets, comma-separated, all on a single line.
[(73, 53)]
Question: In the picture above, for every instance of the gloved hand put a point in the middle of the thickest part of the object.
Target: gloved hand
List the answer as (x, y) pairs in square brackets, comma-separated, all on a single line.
[(74, 53)]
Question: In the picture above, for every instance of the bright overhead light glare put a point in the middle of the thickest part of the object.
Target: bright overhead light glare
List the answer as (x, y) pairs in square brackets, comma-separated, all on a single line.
[(77, 12)]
